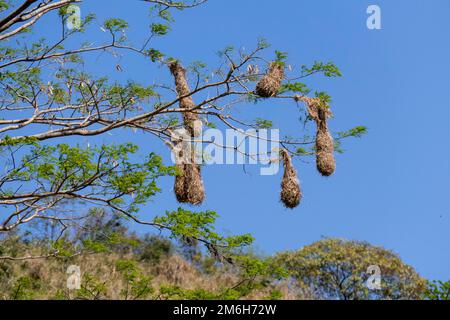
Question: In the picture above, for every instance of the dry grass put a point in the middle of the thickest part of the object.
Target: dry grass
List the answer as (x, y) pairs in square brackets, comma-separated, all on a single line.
[(101, 278)]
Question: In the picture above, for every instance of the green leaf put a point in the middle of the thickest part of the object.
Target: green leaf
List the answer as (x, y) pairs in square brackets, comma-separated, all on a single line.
[(114, 24)]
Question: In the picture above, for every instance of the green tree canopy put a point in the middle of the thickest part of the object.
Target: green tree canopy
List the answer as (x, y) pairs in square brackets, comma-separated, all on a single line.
[(339, 269), (438, 290)]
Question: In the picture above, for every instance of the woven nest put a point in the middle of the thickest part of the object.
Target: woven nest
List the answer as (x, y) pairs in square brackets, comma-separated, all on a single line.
[(270, 84), (291, 194), (189, 184), (325, 161), (187, 103)]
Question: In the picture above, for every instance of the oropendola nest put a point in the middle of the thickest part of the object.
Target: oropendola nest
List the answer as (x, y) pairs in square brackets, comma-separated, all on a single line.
[(187, 103), (325, 161), (189, 184), (270, 84), (291, 194)]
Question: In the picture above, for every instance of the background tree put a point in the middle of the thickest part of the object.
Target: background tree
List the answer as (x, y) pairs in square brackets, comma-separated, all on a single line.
[(438, 290), (338, 269)]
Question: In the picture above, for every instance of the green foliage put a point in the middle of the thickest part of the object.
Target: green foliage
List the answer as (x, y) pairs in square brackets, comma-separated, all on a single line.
[(8, 52), (281, 57), (159, 29), (264, 124), (154, 54), (3, 5), (253, 266), (64, 247), (263, 43), (328, 69), (24, 288), (226, 51), (115, 25), (137, 284), (128, 95), (94, 246), (178, 293), (356, 132), (323, 96), (157, 11), (297, 87), (437, 290), (7, 141), (337, 147), (211, 125), (275, 295), (92, 288), (65, 12), (153, 249), (338, 269), (19, 84), (197, 66), (186, 224), (106, 172), (302, 151)]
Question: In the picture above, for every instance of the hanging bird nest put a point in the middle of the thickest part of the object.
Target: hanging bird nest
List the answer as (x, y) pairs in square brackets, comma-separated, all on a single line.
[(270, 84), (187, 103), (291, 194), (325, 161), (188, 183)]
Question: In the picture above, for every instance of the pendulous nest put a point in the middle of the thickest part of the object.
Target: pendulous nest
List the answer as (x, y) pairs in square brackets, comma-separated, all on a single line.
[(187, 103), (270, 84), (189, 184), (291, 194), (325, 161)]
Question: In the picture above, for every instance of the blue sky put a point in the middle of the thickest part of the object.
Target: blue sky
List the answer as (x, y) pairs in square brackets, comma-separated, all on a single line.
[(391, 187)]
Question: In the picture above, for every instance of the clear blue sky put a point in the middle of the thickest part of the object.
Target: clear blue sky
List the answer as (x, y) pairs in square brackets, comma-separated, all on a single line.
[(392, 187)]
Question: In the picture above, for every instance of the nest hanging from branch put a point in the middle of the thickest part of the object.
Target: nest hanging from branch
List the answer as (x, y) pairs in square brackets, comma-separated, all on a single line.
[(270, 84), (319, 112), (291, 193), (189, 184), (187, 103)]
